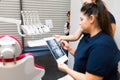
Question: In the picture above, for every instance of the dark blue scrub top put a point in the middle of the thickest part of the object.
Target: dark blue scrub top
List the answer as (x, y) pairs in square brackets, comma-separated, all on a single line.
[(112, 18), (96, 55)]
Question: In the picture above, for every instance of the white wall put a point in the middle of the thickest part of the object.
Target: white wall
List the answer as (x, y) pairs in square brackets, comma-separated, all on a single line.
[(75, 20), (112, 5)]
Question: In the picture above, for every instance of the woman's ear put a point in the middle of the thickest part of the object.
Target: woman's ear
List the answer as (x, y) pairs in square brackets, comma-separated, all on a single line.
[(92, 18)]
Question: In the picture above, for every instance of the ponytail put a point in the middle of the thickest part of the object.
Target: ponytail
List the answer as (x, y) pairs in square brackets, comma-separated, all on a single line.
[(102, 16)]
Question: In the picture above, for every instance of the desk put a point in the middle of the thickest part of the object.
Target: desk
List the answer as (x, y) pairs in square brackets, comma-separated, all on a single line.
[(43, 57)]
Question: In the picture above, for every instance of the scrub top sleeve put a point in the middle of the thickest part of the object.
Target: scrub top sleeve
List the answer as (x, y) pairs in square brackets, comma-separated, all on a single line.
[(112, 18)]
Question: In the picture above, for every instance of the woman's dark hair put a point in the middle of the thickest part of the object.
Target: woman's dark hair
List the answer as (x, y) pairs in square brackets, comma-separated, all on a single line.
[(100, 11), (68, 13)]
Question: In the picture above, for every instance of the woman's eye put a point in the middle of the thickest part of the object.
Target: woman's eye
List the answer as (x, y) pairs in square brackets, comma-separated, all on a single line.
[(81, 19), (85, 3)]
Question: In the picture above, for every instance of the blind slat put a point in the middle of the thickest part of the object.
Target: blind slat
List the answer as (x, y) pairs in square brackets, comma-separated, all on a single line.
[(47, 9)]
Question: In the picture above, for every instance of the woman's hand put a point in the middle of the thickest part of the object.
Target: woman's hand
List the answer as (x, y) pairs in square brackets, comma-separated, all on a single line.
[(65, 45), (63, 67), (58, 37)]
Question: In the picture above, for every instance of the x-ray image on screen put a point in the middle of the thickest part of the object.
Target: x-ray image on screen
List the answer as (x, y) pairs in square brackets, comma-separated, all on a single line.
[(55, 47)]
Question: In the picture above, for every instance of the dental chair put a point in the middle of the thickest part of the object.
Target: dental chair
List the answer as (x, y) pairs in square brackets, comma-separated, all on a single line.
[(14, 65)]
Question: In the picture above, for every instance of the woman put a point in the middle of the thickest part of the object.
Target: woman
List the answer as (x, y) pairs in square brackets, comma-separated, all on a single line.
[(78, 32), (96, 52), (67, 24)]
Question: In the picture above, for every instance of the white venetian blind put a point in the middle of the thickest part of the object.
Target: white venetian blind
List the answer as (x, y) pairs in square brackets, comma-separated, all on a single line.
[(47, 9), (9, 9)]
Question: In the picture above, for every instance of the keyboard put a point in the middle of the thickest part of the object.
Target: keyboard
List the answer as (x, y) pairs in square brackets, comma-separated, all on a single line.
[(35, 43)]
